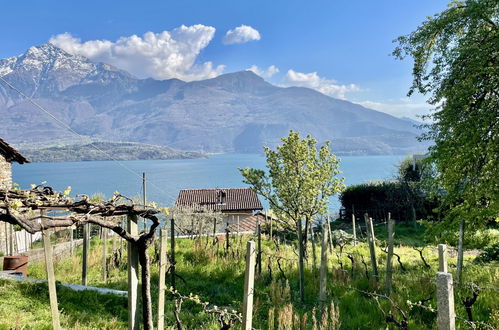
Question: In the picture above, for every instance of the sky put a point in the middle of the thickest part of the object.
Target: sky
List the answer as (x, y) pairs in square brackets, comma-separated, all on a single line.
[(339, 47)]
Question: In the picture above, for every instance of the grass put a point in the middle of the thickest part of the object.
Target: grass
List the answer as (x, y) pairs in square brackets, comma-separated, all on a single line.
[(218, 278)]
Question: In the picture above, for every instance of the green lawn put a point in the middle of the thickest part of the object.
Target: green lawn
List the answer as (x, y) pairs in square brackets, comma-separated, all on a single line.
[(218, 278)]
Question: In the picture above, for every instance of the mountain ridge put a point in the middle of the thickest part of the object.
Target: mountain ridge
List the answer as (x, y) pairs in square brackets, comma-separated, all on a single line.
[(234, 112)]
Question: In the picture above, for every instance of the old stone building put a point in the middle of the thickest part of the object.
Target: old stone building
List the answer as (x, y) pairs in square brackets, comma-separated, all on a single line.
[(7, 155)]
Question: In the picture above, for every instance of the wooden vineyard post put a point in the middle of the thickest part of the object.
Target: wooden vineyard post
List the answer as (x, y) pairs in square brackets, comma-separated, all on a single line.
[(11, 240), (442, 258), (259, 255), (314, 252), (227, 243), (446, 317), (354, 231), (104, 254), (249, 281), (162, 275), (172, 252), (86, 243), (460, 251), (49, 266), (144, 197), (6, 229), (323, 271), (238, 226), (389, 265), (71, 234), (133, 275), (330, 234), (372, 246)]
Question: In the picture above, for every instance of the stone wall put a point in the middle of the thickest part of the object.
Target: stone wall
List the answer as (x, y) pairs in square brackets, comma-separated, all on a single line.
[(5, 174), (5, 183)]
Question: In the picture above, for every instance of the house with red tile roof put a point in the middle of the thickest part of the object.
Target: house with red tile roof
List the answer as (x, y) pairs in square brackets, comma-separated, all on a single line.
[(236, 204)]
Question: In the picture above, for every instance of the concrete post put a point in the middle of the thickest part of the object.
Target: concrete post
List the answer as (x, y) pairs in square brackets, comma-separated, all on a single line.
[(162, 275), (391, 233), (249, 281), (442, 258), (446, 318), (49, 266), (133, 275), (323, 271)]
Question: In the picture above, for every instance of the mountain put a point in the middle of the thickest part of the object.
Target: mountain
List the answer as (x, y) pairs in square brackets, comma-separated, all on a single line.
[(234, 112)]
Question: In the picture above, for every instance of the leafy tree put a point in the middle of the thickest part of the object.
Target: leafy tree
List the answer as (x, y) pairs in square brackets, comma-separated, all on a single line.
[(456, 57), (300, 180)]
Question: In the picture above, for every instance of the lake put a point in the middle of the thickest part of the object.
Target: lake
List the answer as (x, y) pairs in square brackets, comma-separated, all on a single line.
[(166, 177)]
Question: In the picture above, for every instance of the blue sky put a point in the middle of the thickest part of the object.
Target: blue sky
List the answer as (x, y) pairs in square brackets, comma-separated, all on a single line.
[(340, 48)]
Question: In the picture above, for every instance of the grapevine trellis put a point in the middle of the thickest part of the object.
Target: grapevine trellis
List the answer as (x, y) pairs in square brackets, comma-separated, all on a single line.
[(28, 209)]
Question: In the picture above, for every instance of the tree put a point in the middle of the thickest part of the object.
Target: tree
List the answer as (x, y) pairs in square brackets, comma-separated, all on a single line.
[(300, 180), (456, 63)]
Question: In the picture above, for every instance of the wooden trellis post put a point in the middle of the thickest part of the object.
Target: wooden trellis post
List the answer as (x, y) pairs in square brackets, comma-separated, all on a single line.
[(172, 253), (329, 233), (391, 233), (162, 275), (49, 266), (104, 254), (71, 234), (259, 255), (249, 281), (372, 247), (354, 231), (133, 275), (86, 244), (323, 271)]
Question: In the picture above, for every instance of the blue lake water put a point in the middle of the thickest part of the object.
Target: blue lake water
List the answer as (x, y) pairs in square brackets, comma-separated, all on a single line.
[(166, 177)]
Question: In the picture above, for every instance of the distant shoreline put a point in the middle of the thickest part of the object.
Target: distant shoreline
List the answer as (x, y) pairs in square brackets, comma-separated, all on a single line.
[(105, 151)]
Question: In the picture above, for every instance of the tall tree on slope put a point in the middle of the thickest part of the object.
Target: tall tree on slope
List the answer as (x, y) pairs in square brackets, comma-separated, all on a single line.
[(456, 63), (300, 181)]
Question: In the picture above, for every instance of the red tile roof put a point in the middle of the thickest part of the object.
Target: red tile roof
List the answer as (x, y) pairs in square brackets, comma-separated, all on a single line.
[(227, 199), (10, 154)]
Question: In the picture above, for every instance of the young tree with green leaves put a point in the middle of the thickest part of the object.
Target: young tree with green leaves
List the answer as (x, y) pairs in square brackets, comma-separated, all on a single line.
[(456, 63), (299, 182)]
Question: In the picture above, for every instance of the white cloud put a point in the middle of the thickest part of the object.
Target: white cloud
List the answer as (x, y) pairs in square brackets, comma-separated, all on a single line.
[(241, 34), (314, 81), (164, 55), (265, 73), (405, 108)]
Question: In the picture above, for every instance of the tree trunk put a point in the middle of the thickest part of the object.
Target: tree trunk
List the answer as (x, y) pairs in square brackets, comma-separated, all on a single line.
[(146, 287), (300, 261)]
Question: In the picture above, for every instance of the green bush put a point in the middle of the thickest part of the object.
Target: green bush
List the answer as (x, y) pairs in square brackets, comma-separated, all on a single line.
[(489, 254), (379, 198)]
